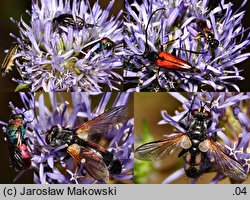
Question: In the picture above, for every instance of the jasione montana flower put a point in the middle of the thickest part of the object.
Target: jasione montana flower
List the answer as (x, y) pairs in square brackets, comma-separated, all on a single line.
[(184, 27), (69, 46)]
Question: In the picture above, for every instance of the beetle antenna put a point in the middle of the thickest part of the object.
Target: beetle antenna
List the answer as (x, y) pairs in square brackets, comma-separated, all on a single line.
[(146, 31)]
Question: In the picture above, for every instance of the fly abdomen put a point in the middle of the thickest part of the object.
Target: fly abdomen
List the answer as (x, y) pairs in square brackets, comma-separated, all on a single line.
[(114, 165), (193, 165), (111, 161)]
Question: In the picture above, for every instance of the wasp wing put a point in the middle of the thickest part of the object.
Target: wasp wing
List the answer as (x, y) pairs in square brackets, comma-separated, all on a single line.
[(103, 123), (224, 163), (161, 149), (92, 160), (15, 157)]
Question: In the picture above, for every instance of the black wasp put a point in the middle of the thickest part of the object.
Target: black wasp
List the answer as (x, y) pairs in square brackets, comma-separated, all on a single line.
[(98, 161), (200, 151), (213, 43), (66, 20), (19, 150)]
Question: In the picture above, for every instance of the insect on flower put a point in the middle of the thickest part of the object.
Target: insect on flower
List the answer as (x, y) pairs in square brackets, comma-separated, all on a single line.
[(68, 20), (98, 161), (213, 43), (208, 34), (163, 59), (20, 153), (201, 151), (9, 59), (98, 46)]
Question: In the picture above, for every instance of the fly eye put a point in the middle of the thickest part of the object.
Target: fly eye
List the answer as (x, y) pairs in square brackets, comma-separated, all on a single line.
[(195, 112), (207, 114), (203, 146)]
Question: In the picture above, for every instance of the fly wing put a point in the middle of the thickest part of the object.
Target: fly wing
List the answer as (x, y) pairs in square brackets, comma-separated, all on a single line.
[(161, 149), (224, 163), (104, 122), (92, 160)]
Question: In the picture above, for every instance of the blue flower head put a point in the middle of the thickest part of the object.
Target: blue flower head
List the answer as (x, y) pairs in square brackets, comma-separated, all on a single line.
[(68, 46)]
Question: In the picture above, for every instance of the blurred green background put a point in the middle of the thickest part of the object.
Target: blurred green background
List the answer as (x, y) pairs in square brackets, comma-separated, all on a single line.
[(147, 114)]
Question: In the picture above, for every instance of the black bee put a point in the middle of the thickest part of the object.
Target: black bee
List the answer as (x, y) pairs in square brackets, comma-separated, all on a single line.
[(98, 161), (68, 20), (213, 43), (200, 151)]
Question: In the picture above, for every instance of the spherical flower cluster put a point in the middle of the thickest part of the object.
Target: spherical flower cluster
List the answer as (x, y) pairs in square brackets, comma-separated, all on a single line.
[(208, 36), (68, 46)]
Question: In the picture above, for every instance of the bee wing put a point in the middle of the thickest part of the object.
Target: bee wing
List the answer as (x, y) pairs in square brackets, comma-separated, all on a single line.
[(161, 149), (104, 122), (8, 60), (93, 161), (227, 165)]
